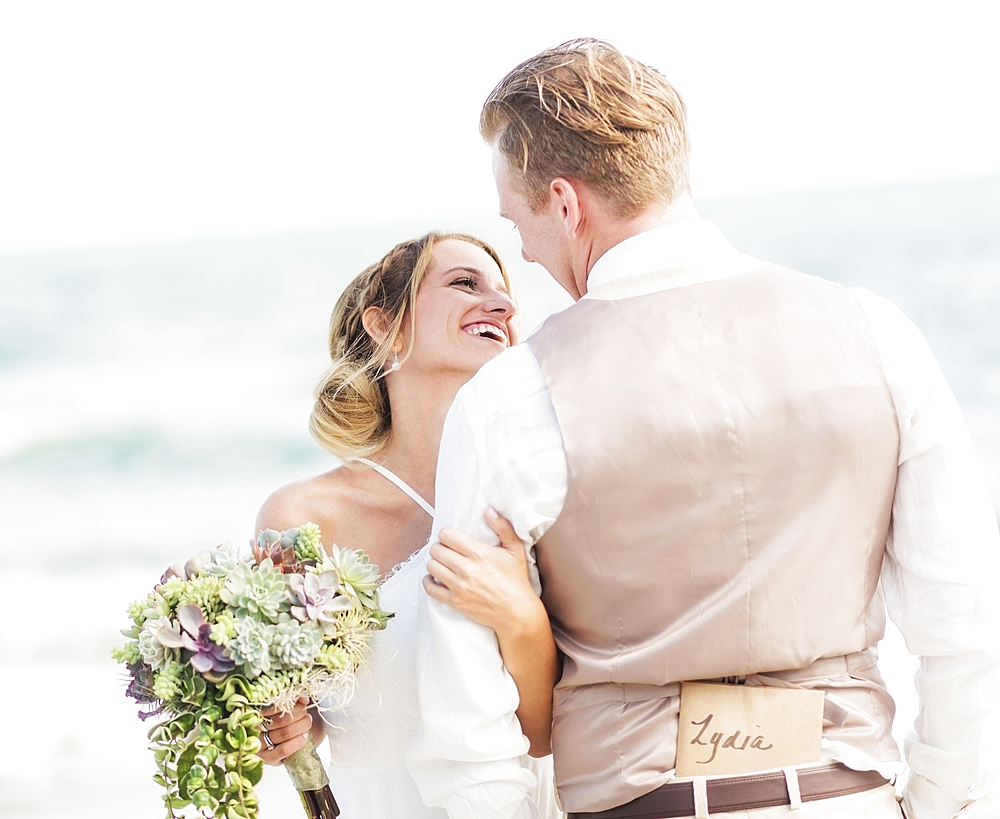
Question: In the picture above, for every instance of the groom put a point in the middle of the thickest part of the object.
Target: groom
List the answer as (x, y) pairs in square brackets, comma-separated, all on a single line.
[(727, 470)]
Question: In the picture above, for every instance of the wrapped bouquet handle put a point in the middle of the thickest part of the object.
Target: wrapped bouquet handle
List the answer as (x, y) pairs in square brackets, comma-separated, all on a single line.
[(223, 634), (308, 775)]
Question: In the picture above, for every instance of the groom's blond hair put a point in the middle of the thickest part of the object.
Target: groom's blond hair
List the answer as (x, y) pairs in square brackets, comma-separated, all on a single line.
[(585, 111)]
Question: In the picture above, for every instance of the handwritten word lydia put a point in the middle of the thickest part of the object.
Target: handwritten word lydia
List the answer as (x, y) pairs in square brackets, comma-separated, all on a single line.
[(732, 741)]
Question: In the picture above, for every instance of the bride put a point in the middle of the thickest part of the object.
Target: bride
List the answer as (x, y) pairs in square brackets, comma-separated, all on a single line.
[(404, 336)]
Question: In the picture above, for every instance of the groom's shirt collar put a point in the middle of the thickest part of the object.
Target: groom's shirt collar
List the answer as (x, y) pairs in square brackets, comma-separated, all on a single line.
[(679, 254)]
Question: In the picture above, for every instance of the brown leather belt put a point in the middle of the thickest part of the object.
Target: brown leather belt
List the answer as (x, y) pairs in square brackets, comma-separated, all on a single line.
[(763, 790)]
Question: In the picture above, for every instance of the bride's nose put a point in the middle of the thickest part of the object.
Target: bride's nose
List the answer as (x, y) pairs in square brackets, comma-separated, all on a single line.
[(500, 303)]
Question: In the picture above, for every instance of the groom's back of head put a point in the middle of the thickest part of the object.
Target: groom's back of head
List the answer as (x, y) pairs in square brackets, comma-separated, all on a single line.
[(585, 111)]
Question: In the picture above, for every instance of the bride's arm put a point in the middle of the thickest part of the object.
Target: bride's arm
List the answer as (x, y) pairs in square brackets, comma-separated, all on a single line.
[(490, 585)]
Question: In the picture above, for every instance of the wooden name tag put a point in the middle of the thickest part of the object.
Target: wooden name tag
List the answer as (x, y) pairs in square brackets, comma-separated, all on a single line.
[(737, 729)]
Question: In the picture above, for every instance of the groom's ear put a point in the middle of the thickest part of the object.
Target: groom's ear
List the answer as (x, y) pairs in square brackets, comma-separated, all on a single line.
[(376, 324), (565, 196)]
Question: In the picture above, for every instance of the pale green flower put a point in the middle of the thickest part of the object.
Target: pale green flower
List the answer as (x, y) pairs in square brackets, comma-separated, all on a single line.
[(221, 560), (358, 575), (295, 643), (251, 647), (256, 592)]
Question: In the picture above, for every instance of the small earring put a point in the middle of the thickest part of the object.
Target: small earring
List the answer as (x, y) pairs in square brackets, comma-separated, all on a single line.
[(395, 366)]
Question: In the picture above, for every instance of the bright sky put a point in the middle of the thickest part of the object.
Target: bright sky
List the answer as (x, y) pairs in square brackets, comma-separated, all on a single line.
[(129, 121)]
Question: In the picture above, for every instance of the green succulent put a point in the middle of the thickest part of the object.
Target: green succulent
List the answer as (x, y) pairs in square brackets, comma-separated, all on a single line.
[(171, 589), (334, 657), (207, 743), (129, 654), (221, 560), (295, 643), (264, 690), (210, 762), (308, 546), (203, 591), (152, 605), (261, 592), (168, 685), (251, 647), (358, 575), (224, 628)]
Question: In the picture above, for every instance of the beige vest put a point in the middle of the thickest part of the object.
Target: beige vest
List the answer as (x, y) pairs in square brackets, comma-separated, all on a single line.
[(731, 450)]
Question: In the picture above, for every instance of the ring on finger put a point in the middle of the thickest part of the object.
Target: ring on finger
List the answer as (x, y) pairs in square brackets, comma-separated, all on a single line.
[(269, 744)]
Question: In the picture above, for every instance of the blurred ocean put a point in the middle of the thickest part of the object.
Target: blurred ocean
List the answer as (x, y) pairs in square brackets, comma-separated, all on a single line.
[(152, 396)]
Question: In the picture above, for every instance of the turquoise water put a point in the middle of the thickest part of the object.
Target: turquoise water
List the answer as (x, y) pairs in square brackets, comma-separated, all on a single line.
[(151, 397)]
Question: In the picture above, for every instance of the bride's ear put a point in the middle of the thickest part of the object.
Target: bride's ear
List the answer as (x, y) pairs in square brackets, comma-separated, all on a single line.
[(376, 324)]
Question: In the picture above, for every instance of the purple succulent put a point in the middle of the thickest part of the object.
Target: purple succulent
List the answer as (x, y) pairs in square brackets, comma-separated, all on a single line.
[(316, 597), (207, 656), (192, 567)]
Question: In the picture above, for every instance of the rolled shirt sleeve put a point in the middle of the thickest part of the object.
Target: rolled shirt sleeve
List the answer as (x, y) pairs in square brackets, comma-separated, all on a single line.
[(501, 447), (940, 576)]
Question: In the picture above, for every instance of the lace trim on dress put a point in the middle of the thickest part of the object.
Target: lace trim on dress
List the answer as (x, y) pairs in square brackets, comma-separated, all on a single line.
[(398, 568)]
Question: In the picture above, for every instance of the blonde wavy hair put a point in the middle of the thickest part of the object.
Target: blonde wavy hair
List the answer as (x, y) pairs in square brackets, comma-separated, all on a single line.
[(351, 417), (585, 111)]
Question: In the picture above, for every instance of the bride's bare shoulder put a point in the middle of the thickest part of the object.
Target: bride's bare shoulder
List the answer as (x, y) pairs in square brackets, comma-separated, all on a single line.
[(320, 499)]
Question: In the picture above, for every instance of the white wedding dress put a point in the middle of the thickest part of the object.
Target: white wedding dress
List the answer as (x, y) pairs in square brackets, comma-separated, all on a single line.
[(368, 740)]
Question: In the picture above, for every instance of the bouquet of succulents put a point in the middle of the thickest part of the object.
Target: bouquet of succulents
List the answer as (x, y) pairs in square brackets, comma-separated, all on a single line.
[(224, 635)]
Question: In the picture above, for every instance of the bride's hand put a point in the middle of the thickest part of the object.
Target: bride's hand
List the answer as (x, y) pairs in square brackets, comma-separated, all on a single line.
[(285, 730), (488, 584)]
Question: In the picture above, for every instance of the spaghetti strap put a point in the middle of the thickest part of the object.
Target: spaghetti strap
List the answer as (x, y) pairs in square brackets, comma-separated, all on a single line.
[(394, 478)]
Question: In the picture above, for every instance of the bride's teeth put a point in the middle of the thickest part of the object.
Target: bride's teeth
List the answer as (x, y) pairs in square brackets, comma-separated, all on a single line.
[(479, 329)]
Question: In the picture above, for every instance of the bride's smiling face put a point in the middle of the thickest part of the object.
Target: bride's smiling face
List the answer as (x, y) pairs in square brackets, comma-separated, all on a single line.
[(464, 315)]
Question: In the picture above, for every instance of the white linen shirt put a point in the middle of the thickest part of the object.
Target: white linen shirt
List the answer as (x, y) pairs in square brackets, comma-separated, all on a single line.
[(502, 447)]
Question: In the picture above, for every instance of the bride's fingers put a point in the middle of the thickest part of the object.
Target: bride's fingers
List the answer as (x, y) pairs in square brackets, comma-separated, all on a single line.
[(441, 566), (281, 750), (274, 718), (284, 732), (509, 538), (459, 542), (485, 583), (439, 591), (288, 732)]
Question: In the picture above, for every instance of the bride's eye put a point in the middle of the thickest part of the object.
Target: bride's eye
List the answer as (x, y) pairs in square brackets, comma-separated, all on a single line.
[(465, 281)]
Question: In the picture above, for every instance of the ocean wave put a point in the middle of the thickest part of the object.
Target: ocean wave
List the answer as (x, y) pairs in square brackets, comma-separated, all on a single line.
[(148, 450)]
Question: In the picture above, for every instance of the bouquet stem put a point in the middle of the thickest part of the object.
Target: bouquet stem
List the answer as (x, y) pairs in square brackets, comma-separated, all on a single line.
[(305, 769)]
